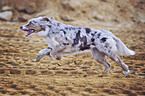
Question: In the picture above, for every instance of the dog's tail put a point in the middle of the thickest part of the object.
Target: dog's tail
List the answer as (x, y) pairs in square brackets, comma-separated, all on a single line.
[(122, 49)]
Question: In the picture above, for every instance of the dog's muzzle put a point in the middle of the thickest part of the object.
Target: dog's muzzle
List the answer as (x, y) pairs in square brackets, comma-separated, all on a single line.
[(30, 31)]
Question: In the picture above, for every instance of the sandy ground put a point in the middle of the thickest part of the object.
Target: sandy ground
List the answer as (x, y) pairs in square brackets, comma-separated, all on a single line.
[(75, 75)]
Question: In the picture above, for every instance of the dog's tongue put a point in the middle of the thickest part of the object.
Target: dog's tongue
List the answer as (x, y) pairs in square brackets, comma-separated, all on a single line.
[(29, 32)]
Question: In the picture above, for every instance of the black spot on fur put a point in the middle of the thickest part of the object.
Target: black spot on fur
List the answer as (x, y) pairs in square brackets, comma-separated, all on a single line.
[(66, 38), (77, 38), (73, 28), (64, 32), (98, 36), (109, 51), (93, 44), (66, 28), (84, 47), (92, 34), (84, 40), (88, 30), (49, 26), (58, 24), (61, 30), (84, 44), (106, 45), (65, 43), (103, 39), (92, 39)]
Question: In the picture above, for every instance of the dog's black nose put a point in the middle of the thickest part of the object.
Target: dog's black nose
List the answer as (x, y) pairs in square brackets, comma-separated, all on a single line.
[(21, 27)]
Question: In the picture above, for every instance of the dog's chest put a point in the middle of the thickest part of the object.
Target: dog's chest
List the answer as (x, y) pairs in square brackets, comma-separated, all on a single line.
[(51, 41)]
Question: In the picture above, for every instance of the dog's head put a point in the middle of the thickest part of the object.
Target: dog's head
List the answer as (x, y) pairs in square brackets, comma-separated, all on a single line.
[(37, 25)]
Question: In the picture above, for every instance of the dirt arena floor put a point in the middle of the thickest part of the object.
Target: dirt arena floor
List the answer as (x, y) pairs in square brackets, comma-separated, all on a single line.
[(75, 75)]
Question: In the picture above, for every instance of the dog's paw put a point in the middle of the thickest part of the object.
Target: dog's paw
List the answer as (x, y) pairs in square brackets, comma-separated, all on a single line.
[(58, 58), (36, 60), (126, 73), (39, 57)]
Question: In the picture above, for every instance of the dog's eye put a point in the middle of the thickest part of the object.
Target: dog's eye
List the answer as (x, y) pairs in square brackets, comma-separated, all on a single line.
[(34, 21)]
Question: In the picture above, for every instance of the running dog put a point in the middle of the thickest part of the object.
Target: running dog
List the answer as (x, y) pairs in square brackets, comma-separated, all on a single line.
[(64, 39)]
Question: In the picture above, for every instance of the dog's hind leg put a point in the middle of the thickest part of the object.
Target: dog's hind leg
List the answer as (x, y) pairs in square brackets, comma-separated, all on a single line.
[(57, 53), (101, 58), (117, 59)]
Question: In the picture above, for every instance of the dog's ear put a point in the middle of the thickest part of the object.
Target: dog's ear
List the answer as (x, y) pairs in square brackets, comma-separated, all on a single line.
[(48, 19), (45, 19)]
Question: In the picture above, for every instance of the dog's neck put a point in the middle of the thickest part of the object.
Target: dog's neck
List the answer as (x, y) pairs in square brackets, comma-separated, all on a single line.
[(58, 30)]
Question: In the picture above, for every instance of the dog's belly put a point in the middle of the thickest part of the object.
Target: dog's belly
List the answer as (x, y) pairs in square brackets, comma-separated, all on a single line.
[(69, 50)]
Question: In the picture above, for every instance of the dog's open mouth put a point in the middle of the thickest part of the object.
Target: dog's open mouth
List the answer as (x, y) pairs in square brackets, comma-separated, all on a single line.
[(30, 31)]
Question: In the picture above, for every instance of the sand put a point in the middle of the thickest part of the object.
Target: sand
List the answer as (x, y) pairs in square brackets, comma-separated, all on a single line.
[(74, 75)]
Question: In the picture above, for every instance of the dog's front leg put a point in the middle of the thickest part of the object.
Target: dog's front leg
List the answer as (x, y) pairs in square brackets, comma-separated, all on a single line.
[(44, 52)]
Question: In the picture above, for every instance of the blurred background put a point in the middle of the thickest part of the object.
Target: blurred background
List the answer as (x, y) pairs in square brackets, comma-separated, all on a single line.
[(75, 75), (121, 13)]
